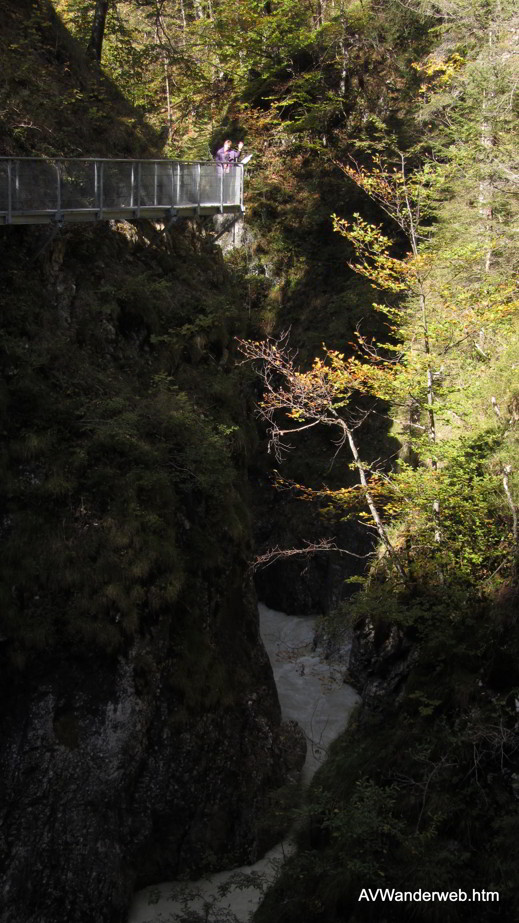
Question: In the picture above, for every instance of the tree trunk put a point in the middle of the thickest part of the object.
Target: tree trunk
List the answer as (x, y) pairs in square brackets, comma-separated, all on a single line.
[(413, 237), (487, 144), (160, 33), (95, 45), (379, 525)]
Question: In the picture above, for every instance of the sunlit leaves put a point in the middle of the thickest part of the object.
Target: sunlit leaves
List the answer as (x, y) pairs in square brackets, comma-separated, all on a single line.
[(372, 251)]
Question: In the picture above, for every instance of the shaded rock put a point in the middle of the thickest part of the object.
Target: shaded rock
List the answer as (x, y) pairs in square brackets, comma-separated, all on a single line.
[(380, 660), (109, 782), (140, 731)]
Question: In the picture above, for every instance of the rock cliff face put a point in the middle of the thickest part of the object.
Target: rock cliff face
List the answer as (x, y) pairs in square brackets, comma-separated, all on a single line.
[(380, 661), (140, 733), (108, 782)]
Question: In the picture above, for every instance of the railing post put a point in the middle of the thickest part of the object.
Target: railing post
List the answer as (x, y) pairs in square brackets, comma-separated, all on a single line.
[(58, 177), (101, 188), (242, 184), (139, 166), (178, 184), (9, 191), (96, 184), (199, 185), (155, 183), (132, 191), (221, 188)]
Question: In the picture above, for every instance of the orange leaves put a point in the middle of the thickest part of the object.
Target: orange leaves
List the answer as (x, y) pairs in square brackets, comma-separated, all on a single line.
[(375, 183), (327, 386)]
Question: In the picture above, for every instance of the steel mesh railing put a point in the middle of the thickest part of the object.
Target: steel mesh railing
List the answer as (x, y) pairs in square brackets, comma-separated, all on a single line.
[(60, 188)]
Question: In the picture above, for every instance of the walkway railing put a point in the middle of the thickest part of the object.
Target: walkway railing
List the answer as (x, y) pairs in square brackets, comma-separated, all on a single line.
[(35, 191)]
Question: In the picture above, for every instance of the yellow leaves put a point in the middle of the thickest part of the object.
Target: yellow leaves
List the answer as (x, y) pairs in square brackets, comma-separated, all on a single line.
[(375, 263), (379, 376), (465, 311), (374, 182), (343, 497), (441, 72), (421, 264), (297, 415)]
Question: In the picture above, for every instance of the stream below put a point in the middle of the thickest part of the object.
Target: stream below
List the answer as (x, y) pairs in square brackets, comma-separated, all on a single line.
[(311, 691)]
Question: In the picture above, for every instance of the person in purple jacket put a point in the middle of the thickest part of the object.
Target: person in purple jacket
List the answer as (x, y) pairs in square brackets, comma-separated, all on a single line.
[(222, 154)]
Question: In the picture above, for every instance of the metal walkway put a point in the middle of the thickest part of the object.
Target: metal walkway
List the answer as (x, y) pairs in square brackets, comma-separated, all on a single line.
[(38, 191)]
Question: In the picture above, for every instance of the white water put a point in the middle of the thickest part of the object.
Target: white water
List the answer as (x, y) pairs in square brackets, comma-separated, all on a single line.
[(312, 693)]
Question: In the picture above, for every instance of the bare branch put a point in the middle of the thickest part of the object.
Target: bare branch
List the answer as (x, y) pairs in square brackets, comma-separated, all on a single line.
[(325, 544), (308, 398)]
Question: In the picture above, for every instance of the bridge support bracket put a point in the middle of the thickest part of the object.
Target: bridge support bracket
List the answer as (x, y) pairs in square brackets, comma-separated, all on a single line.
[(56, 226), (172, 218)]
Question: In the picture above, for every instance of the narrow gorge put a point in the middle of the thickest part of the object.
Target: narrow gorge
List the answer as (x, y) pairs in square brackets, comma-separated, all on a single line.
[(314, 696), (315, 406)]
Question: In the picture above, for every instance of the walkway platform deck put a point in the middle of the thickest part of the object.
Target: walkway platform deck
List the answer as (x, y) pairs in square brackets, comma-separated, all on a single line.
[(40, 191)]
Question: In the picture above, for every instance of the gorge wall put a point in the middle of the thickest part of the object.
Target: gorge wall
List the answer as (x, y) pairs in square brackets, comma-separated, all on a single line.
[(140, 728)]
